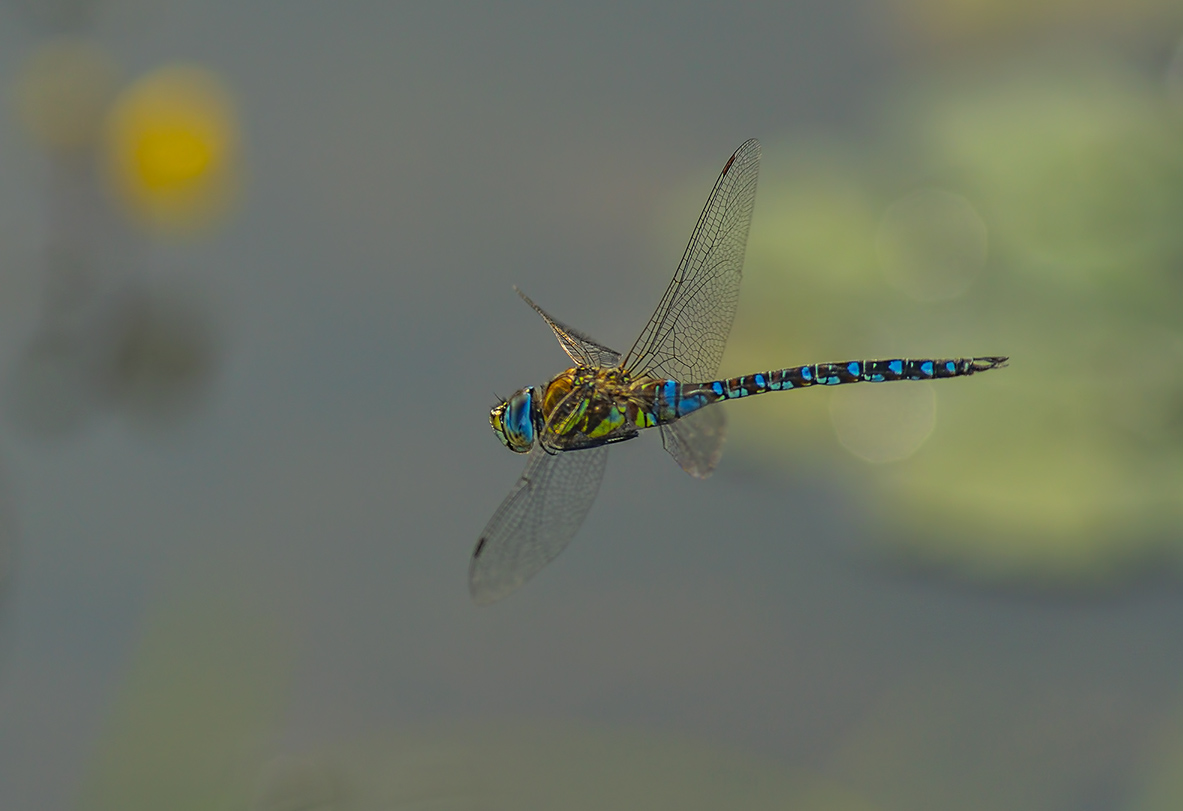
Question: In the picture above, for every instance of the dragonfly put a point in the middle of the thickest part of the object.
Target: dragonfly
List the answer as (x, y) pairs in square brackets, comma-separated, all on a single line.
[(666, 381)]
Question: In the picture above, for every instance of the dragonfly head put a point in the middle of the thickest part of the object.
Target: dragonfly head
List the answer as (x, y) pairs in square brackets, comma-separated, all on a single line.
[(513, 421)]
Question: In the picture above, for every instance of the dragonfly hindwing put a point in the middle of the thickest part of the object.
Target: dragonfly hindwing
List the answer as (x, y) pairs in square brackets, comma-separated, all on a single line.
[(696, 440)]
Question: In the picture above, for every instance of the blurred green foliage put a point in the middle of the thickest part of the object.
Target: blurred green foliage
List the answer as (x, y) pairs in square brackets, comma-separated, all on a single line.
[(1161, 784), (199, 705), (960, 25), (524, 766), (1067, 467)]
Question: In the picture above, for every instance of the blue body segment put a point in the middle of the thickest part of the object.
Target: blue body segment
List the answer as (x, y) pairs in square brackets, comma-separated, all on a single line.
[(675, 400), (665, 404)]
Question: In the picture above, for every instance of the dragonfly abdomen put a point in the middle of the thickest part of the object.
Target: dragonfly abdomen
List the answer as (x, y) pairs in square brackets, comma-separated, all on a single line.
[(675, 400)]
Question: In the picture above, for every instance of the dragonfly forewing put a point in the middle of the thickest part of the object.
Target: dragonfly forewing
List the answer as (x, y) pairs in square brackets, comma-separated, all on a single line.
[(536, 521), (582, 349)]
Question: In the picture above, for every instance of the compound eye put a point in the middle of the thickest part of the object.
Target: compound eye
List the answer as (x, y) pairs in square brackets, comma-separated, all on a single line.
[(513, 421)]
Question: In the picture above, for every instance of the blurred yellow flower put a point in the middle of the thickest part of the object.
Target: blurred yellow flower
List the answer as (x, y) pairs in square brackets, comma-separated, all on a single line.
[(62, 92), (172, 143)]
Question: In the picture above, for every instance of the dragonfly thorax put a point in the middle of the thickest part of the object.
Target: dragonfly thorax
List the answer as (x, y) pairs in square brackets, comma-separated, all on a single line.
[(513, 420)]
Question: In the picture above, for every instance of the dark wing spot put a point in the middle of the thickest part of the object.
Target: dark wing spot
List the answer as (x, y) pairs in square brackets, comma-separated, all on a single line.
[(480, 545)]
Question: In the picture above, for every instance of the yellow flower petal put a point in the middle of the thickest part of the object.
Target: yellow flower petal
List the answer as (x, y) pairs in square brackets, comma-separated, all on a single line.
[(172, 142)]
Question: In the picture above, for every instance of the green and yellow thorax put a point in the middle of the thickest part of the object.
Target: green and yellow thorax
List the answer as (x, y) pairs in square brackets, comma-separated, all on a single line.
[(584, 406)]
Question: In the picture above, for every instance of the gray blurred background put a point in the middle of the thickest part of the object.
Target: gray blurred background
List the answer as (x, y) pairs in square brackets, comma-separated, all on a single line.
[(256, 268)]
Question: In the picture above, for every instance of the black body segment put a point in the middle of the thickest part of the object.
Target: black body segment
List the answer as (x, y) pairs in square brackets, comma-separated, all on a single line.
[(677, 401)]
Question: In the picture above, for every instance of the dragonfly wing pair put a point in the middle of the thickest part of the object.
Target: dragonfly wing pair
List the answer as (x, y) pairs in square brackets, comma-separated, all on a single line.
[(545, 508), (684, 340)]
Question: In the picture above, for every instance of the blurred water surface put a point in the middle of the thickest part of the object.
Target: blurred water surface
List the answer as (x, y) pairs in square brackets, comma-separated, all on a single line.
[(258, 297)]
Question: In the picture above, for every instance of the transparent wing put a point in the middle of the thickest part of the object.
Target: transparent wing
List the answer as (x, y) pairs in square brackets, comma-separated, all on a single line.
[(687, 334), (579, 347), (696, 441), (536, 521), (684, 339)]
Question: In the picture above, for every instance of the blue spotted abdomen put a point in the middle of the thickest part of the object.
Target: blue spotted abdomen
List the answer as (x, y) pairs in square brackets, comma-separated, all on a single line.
[(674, 399)]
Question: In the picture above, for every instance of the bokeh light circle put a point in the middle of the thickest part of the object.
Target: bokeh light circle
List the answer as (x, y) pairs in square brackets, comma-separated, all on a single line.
[(883, 423)]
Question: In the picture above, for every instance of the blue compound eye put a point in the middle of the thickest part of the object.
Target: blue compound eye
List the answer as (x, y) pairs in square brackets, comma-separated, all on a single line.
[(513, 421)]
